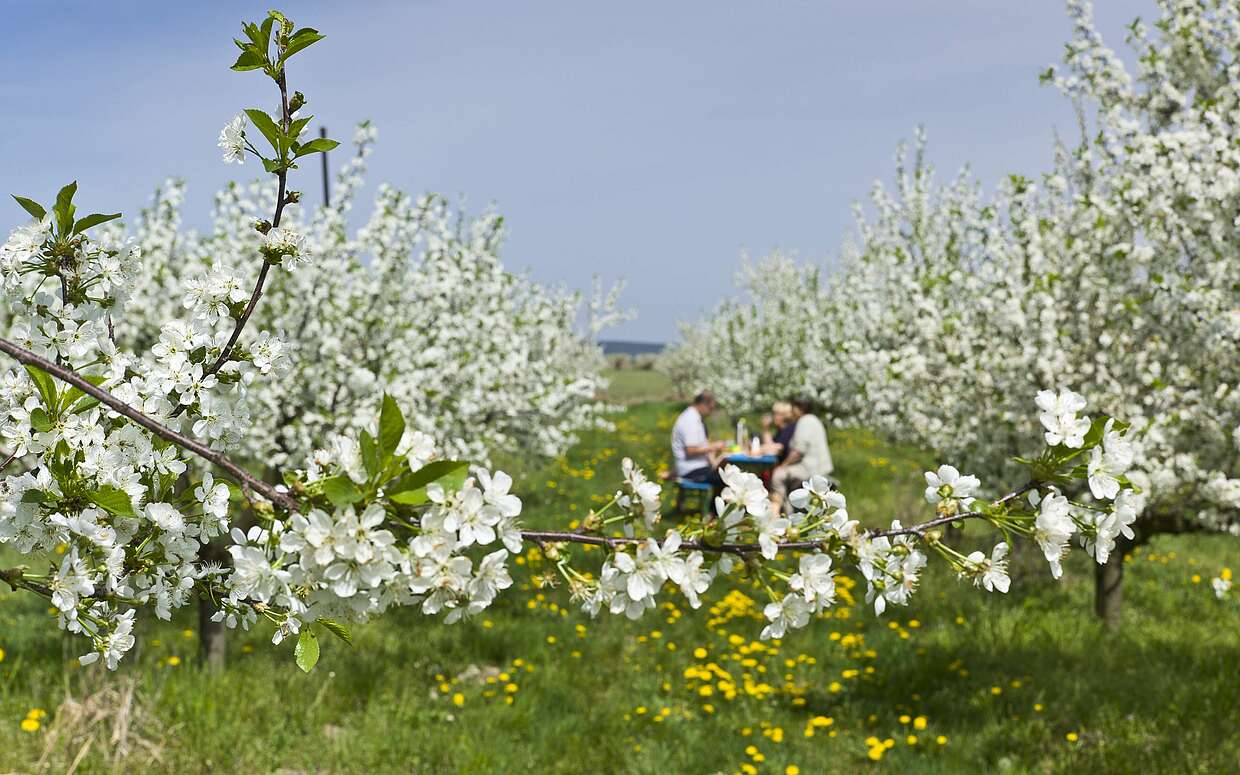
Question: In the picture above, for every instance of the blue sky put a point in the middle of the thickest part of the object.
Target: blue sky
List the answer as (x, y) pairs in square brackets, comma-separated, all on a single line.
[(650, 141)]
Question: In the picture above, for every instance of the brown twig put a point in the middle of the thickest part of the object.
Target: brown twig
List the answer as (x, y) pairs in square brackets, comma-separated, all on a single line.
[(257, 293), (246, 479), (538, 536), (542, 537)]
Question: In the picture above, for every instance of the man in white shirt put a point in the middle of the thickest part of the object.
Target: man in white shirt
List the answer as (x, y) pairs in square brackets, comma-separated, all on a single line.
[(695, 455), (808, 453)]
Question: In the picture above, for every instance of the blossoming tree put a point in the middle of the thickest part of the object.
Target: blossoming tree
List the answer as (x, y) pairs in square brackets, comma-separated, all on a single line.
[(98, 494), (416, 303), (1114, 274)]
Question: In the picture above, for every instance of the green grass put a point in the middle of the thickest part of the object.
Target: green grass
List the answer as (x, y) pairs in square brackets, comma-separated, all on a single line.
[(631, 386), (1159, 696)]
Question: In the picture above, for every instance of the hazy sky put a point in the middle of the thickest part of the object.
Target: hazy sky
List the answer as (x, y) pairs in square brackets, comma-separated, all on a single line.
[(652, 141)]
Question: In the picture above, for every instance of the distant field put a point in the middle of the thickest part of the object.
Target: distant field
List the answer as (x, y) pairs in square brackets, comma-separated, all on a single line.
[(960, 682), (630, 386)]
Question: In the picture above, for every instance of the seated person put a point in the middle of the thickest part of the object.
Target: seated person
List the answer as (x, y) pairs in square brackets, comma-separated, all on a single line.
[(695, 455), (776, 442), (808, 454)]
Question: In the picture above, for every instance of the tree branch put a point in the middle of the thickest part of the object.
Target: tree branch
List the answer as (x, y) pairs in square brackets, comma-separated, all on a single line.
[(542, 537), (245, 478), (257, 293)]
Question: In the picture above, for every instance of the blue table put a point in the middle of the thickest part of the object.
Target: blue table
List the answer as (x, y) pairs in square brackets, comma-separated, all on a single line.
[(752, 462)]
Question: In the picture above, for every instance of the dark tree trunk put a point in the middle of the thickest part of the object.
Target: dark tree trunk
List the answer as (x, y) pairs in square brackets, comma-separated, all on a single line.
[(212, 642), (1108, 585)]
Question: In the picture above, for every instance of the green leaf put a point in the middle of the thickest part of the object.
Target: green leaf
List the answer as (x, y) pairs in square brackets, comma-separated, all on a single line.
[(302, 39), (410, 489), (411, 497), (264, 41), (64, 208), (267, 126), (341, 490), (40, 420), (31, 206), (1097, 429), (250, 59), (113, 501), (307, 651), (298, 126), (46, 386), (320, 145), (391, 427), (93, 219), (337, 629), (72, 395), (370, 454)]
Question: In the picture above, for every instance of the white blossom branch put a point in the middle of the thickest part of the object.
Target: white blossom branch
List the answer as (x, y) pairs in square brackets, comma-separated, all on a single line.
[(245, 478)]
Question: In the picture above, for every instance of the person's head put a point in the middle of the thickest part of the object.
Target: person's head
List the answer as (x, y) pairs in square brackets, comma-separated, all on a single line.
[(781, 413), (704, 402), (802, 405)]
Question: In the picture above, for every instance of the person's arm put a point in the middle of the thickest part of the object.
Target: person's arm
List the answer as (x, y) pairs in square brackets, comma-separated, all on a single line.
[(767, 436), (708, 448)]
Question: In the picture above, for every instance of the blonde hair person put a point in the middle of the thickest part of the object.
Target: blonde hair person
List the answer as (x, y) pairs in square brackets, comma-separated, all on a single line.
[(808, 453), (777, 429)]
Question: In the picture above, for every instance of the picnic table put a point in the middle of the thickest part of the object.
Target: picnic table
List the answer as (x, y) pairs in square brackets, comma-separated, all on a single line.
[(755, 463)]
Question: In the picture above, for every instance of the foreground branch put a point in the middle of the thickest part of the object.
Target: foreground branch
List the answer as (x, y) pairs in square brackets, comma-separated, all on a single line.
[(246, 479), (544, 537), (541, 537)]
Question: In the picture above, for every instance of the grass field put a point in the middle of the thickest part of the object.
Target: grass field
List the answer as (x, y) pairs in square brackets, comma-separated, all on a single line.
[(960, 681), (632, 386)]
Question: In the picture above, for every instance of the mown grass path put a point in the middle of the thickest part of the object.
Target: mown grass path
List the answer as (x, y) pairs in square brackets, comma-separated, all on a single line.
[(960, 681)]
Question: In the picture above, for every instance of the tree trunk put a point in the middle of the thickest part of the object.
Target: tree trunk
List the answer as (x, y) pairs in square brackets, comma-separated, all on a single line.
[(211, 637), (212, 643), (1108, 586)]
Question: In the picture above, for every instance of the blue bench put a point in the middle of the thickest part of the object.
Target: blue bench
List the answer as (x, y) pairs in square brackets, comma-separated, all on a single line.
[(700, 490)]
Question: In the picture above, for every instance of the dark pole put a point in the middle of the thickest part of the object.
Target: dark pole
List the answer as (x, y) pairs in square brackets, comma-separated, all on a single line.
[(327, 201)]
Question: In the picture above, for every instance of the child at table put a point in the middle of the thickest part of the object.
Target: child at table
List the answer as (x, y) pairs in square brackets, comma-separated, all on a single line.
[(777, 430)]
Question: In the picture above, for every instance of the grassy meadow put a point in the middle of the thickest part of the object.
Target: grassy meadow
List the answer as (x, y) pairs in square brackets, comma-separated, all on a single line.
[(960, 681)]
